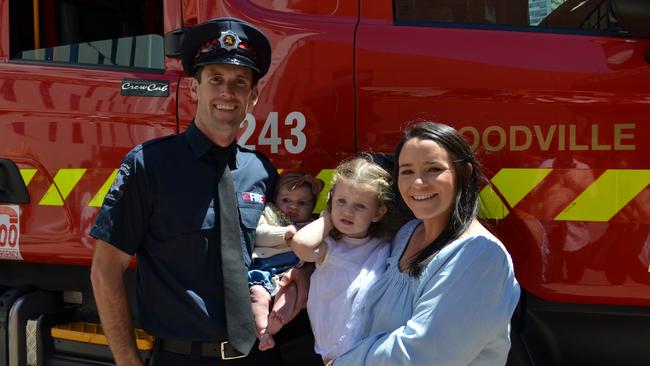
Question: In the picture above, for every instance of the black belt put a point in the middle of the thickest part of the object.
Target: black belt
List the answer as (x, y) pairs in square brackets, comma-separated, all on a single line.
[(223, 350)]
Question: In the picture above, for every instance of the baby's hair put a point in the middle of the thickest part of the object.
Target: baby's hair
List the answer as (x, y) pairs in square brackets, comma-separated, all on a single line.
[(364, 172), (294, 180)]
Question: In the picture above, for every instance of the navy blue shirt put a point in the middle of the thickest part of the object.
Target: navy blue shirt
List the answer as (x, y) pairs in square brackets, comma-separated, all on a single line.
[(163, 206)]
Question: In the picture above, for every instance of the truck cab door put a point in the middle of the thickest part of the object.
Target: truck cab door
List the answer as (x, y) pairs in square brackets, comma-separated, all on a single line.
[(81, 83), (553, 95)]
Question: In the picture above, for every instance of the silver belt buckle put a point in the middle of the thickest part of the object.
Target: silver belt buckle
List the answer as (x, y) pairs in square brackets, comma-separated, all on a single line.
[(223, 353)]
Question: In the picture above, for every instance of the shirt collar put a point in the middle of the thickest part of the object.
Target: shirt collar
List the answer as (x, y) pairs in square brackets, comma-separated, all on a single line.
[(201, 145)]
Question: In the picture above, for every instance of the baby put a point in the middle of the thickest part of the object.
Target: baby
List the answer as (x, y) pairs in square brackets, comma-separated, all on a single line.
[(295, 197)]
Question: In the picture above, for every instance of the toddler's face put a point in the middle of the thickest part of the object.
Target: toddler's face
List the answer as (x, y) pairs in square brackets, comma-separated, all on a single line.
[(296, 204), (354, 208)]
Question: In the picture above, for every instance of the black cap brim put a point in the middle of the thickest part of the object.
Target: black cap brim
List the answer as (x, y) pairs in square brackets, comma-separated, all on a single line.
[(230, 59)]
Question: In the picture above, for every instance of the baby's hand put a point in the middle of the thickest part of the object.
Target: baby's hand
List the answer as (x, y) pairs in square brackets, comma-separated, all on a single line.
[(289, 232)]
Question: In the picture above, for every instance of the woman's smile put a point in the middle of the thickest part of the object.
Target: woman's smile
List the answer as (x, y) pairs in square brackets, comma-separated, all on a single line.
[(423, 197)]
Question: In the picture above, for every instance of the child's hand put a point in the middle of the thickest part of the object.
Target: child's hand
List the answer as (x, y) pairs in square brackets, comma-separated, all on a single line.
[(289, 232)]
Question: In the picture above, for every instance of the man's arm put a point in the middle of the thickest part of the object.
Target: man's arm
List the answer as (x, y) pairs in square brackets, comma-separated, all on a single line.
[(107, 276)]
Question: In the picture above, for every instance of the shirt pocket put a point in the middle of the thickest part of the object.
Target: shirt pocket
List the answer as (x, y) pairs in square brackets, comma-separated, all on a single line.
[(183, 233), (249, 213)]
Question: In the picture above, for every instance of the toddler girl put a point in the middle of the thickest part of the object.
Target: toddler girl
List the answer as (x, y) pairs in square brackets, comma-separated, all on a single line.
[(295, 197), (349, 244)]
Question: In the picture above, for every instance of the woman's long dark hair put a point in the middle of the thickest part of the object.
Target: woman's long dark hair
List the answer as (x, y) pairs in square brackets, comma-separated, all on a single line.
[(468, 174)]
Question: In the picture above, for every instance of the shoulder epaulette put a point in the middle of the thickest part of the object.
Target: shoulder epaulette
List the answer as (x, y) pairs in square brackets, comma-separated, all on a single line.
[(158, 139)]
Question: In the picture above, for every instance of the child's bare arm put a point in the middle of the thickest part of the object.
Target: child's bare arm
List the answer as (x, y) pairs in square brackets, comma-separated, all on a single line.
[(308, 243)]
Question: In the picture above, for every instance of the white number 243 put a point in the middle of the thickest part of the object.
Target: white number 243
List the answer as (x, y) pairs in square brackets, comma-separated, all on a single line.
[(295, 144)]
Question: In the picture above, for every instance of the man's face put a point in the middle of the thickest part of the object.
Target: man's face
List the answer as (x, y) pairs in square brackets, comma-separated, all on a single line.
[(224, 95)]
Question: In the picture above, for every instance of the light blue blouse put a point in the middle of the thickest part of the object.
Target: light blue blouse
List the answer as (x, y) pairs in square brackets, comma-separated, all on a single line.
[(457, 313)]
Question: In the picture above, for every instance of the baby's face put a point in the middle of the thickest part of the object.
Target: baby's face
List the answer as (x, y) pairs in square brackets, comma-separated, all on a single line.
[(296, 204)]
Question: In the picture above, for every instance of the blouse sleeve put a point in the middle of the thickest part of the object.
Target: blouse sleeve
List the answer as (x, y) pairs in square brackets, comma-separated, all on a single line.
[(458, 310)]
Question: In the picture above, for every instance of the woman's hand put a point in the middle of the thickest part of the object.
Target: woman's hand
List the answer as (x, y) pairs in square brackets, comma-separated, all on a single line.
[(299, 276)]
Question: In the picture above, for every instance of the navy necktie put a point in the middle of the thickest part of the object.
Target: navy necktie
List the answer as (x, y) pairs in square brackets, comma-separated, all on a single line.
[(239, 315)]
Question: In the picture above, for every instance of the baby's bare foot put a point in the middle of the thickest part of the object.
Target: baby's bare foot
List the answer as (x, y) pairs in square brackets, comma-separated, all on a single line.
[(275, 322), (283, 313), (266, 340)]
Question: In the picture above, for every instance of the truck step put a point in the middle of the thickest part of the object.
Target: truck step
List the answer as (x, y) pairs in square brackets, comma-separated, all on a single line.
[(93, 333)]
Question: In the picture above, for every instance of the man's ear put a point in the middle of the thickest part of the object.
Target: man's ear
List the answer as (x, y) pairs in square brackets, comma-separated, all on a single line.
[(381, 211), (254, 96), (194, 85)]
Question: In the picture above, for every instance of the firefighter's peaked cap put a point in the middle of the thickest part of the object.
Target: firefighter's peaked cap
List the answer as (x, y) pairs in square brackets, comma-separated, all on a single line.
[(226, 41)]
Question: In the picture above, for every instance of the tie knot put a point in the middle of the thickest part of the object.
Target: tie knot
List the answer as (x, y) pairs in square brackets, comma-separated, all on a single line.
[(221, 154)]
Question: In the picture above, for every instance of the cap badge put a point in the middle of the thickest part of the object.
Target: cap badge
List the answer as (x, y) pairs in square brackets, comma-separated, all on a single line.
[(229, 40)]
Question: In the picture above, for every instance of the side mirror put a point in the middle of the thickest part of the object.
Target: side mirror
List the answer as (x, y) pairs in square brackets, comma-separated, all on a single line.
[(12, 186), (633, 16), (173, 41)]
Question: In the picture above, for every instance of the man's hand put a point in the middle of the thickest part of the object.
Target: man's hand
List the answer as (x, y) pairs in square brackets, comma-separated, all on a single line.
[(300, 277), (107, 276)]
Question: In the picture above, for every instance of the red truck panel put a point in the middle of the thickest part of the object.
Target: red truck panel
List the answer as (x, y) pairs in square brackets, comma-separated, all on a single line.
[(557, 119)]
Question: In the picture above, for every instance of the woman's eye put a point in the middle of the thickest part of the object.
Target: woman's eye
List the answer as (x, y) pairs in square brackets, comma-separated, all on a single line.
[(405, 172), (285, 200)]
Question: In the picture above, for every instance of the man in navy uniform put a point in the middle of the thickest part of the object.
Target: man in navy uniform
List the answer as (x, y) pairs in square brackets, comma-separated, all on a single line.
[(165, 207)]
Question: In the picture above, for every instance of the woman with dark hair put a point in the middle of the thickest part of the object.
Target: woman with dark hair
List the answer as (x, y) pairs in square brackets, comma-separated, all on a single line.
[(449, 290)]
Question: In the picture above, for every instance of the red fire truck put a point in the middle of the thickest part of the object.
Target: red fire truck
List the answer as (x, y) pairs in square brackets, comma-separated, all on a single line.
[(554, 95)]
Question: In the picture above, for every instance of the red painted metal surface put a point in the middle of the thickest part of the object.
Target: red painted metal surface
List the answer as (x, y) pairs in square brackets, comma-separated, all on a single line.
[(54, 118), (4, 30), (484, 79), (311, 74), (487, 81)]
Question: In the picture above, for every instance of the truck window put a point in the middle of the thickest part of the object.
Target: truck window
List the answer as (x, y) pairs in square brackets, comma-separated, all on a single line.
[(587, 15), (120, 34)]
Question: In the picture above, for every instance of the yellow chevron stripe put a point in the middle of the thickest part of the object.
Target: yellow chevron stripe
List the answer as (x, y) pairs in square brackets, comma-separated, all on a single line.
[(99, 196), (607, 195), (27, 175), (326, 175), (491, 206), (64, 182), (515, 184)]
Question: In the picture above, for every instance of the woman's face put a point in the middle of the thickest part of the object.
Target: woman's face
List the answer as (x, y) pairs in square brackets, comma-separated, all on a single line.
[(426, 180)]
